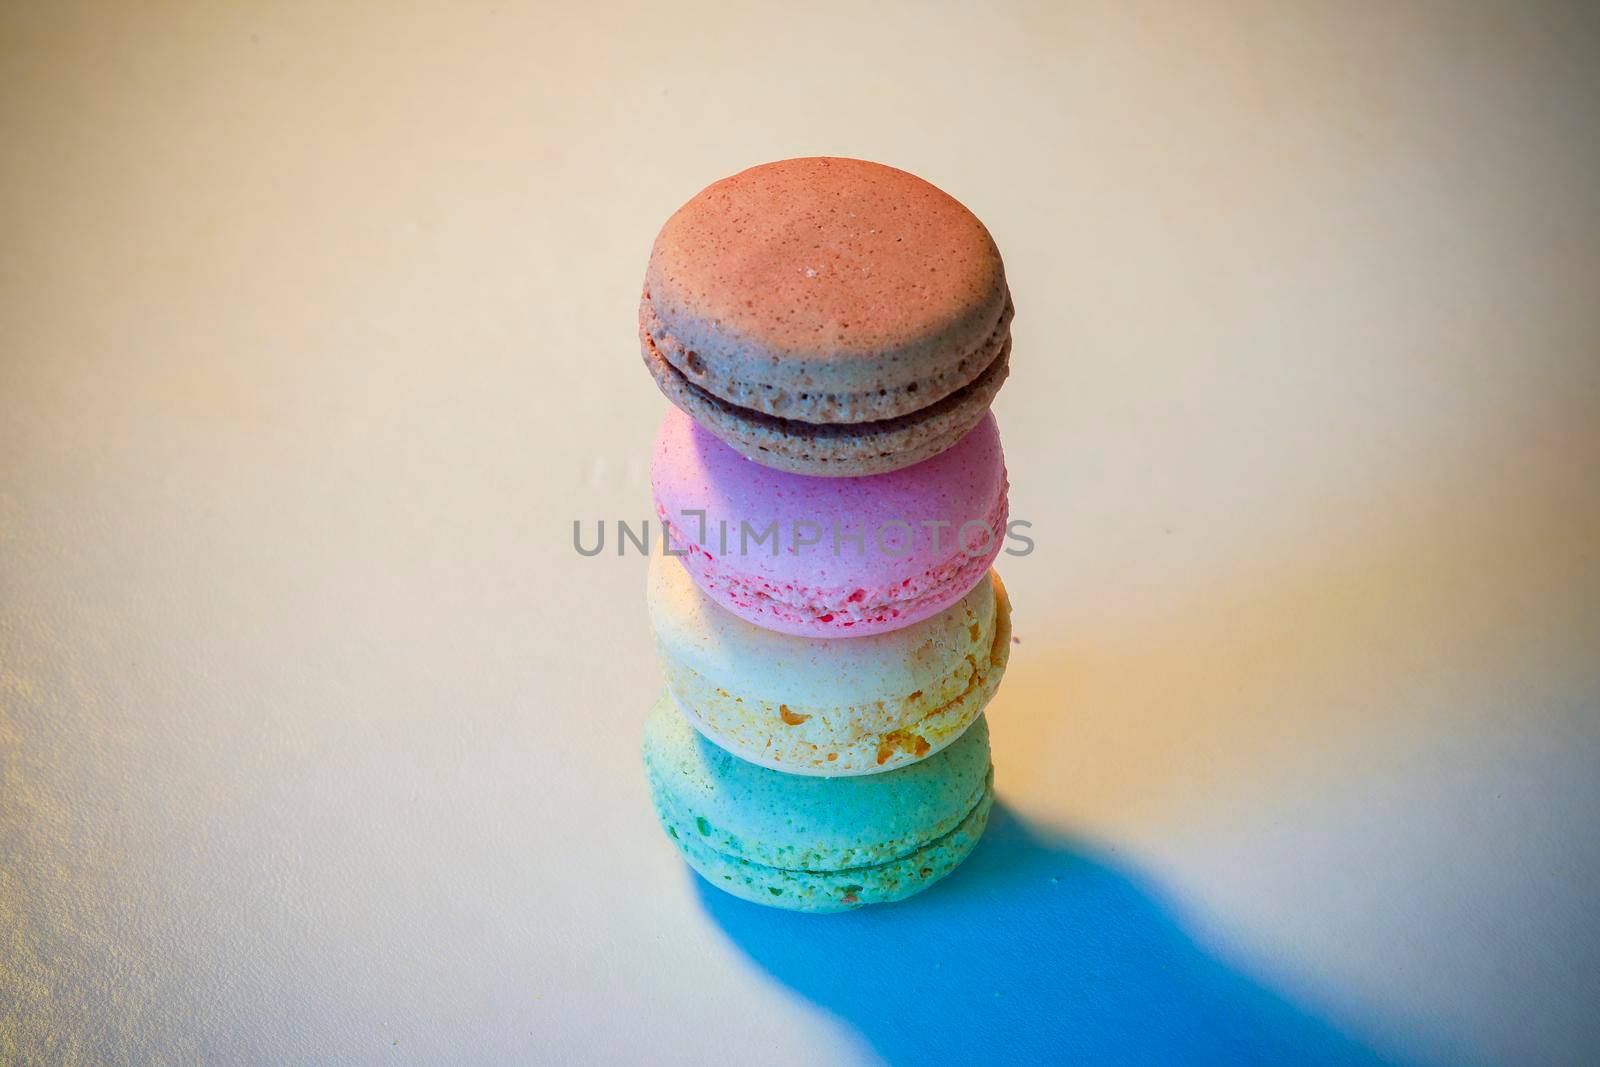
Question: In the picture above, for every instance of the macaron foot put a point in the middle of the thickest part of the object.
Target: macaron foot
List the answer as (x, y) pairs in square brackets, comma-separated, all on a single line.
[(824, 892)]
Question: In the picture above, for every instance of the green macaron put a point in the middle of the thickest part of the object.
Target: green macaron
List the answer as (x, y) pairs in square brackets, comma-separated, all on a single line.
[(816, 844)]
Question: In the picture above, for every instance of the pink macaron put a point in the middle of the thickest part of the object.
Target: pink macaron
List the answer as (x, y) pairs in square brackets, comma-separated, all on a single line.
[(830, 557)]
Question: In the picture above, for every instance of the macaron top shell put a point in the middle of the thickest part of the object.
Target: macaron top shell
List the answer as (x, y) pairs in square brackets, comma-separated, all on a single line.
[(804, 823), (889, 549), (814, 675), (826, 290)]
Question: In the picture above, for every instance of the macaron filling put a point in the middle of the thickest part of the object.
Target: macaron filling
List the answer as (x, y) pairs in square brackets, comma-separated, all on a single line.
[(814, 404), (840, 449)]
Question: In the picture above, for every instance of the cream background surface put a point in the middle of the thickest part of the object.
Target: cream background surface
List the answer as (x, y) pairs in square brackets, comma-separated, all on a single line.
[(318, 742)]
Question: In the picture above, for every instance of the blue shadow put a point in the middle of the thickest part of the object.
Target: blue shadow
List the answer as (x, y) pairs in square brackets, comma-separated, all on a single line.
[(1034, 951)]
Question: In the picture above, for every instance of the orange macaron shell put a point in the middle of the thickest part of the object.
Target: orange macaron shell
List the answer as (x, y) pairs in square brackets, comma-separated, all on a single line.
[(816, 313)]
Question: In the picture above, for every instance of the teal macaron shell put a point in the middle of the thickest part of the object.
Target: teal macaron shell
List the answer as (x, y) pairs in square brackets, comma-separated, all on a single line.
[(809, 843), (843, 890)]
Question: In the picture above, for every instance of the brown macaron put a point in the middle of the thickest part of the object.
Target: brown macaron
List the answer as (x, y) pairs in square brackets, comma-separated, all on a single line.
[(827, 316)]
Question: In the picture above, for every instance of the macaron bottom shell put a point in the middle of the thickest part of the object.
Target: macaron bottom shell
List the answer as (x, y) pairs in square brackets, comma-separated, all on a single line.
[(822, 892), (845, 611), (840, 450)]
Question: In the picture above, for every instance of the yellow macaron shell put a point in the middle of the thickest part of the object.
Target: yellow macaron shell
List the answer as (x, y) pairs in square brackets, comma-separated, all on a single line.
[(831, 707)]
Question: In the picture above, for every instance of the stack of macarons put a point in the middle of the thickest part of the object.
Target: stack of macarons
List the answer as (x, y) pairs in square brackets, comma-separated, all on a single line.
[(832, 495)]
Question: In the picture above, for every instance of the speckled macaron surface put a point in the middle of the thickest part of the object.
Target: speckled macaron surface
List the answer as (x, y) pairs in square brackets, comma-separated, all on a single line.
[(815, 844), (820, 706), (844, 557), (827, 316)]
